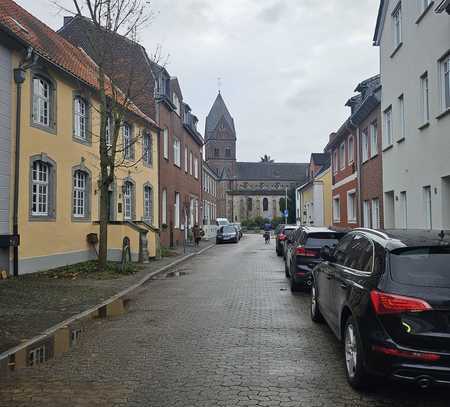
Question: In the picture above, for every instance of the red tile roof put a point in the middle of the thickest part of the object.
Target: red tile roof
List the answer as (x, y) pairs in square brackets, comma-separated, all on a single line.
[(52, 47)]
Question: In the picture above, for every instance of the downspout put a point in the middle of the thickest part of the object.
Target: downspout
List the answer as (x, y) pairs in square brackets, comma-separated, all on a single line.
[(19, 79)]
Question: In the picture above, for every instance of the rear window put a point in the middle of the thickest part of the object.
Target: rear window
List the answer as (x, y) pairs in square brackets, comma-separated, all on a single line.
[(423, 266), (228, 229), (323, 239)]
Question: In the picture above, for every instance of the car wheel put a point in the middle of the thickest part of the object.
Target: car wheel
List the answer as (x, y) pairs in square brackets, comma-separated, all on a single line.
[(316, 315), (278, 251), (286, 270), (354, 356)]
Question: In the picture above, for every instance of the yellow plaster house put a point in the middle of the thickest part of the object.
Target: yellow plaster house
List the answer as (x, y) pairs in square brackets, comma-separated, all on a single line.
[(58, 191)]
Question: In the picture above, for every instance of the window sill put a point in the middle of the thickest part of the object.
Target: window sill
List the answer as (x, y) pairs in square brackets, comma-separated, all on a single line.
[(374, 156), (47, 129), (424, 126), (32, 218), (424, 12), (82, 141), (397, 48), (443, 114), (401, 140), (81, 220), (387, 148)]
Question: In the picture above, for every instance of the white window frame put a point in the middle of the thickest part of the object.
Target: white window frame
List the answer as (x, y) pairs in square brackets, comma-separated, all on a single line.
[(191, 163), (164, 207), (127, 147), (428, 207), (196, 168), (79, 198), (373, 130), (423, 5), (401, 114), (366, 214), (177, 152), (397, 25), (351, 209), (388, 127), (177, 210), (342, 158), (108, 130), (351, 149), (364, 146), (176, 102), (336, 209), (445, 82), (425, 98), (42, 101), (335, 161), (147, 148), (376, 221), (80, 119), (404, 209), (128, 201), (40, 188), (166, 143), (186, 160), (148, 203)]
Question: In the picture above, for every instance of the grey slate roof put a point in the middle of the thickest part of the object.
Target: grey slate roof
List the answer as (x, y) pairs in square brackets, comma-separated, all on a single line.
[(321, 158), (218, 110), (247, 171)]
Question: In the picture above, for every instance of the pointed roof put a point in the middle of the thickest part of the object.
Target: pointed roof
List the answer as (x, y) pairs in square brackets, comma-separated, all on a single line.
[(218, 110)]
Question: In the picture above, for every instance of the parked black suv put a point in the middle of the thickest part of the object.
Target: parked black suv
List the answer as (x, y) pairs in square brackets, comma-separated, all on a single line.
[(387, 296), (303, 252)]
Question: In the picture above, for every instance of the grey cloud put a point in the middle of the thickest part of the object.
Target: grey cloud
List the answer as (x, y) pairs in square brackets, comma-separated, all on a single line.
[(274, 12)]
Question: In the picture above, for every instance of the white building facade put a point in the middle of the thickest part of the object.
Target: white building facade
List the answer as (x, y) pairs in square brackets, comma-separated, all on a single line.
[(414, 41)]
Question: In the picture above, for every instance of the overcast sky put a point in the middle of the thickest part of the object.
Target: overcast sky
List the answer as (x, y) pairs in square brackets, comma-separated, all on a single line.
[(287, 66)]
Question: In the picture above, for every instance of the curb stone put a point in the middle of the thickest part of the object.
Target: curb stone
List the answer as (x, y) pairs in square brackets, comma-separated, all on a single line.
[(60, 337)]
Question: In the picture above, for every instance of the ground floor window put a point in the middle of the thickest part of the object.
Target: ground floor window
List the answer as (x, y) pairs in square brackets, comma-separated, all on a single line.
[(376, 213), (351, 206), (148, 203), (366, 214), (128, 201), (336, 209), (79, 194), (177, 210)]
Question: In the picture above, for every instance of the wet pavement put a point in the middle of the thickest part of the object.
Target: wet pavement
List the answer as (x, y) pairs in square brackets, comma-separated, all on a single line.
[(225, 331)]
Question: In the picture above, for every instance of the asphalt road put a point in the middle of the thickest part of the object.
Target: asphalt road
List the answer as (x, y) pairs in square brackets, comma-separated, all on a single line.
[(226, 332)]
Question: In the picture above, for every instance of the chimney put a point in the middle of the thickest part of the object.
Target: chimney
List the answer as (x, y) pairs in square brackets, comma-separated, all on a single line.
[(67, 20)]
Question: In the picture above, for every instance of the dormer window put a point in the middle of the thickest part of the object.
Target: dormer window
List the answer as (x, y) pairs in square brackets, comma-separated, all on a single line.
[(162, 86), (176, 102)]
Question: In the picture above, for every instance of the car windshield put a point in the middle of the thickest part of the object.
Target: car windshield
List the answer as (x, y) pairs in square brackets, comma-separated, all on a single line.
[(323, 239), (423, 266), (228, 229)]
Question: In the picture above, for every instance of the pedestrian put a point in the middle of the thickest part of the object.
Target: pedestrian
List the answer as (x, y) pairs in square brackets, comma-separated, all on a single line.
[(197, 231)]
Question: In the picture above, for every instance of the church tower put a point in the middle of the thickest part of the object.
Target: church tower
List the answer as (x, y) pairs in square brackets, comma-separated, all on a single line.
[(220, 139)]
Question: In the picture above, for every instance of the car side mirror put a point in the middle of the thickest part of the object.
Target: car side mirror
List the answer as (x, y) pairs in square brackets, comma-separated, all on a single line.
[(325, 253)]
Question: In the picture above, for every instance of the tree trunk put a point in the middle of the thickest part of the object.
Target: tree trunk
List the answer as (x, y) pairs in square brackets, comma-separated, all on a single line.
[(104, 217)]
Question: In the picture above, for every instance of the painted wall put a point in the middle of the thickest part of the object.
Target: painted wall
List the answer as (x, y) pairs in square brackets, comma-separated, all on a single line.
[(423, 157), (46, 244), (325, 178), (6, 84)]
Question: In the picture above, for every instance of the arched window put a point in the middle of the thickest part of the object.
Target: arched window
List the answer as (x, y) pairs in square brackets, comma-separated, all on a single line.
[(265, 204), (148, 204), (128, 200), (43, 187), (127, 142), (40, 189), (147, 148), (80, 194), (249, 204), (80, 118)]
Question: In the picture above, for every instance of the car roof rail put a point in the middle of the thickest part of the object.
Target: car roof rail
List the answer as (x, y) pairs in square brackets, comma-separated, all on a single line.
[(373, 232)]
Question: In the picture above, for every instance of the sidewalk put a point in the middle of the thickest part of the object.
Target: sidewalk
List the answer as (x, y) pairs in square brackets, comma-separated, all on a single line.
[(35, 302)]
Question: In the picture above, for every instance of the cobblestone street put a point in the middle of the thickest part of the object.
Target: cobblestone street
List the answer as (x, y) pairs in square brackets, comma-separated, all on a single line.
[(226, 332)]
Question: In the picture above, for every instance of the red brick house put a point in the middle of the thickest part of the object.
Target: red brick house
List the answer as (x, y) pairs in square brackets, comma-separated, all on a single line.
[(356, 161), (180, 160)]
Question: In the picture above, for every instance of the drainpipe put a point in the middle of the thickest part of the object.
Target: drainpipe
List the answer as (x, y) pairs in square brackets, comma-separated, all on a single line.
[(19, 79)]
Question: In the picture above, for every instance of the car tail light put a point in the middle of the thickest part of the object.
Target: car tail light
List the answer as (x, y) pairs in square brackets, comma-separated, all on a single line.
[(428, 357), (282, 236), (301, 251), (385, 303)]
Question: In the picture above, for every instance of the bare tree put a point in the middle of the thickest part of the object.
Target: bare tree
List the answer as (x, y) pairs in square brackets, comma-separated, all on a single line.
[(106, 21)]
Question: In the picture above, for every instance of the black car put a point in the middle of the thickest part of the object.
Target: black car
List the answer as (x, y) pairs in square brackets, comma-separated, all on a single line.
[(303, 252), (386, 295), (281, 234), (227, 233)]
